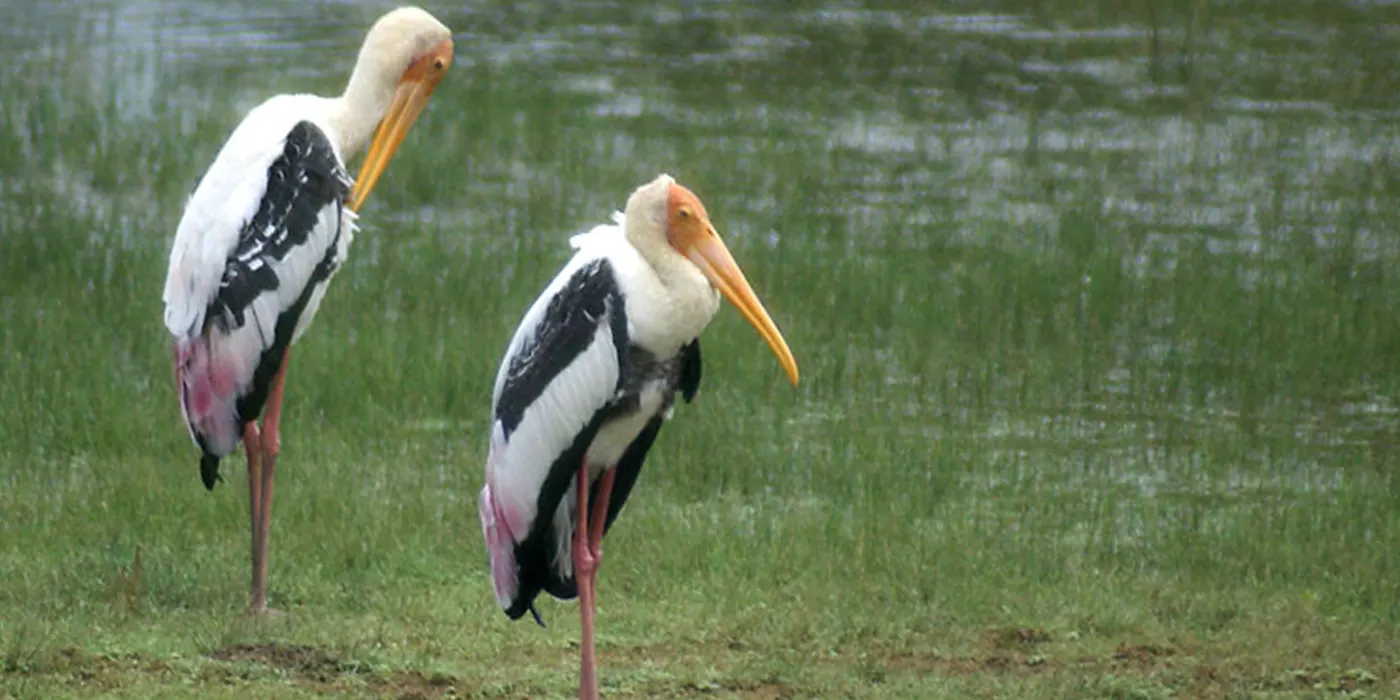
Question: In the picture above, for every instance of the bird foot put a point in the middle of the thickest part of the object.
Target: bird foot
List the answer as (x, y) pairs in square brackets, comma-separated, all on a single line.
[(262, 613)]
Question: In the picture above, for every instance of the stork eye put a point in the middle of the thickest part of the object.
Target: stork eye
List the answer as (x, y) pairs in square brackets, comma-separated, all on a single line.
[(437, 65), (684, 213)]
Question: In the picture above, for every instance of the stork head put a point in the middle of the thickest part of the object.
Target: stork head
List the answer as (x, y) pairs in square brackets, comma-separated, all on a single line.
[(404, 56), (667, 219)]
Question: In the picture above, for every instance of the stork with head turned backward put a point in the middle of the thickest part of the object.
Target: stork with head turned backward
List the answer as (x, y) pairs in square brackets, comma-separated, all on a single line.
[(266, 228)]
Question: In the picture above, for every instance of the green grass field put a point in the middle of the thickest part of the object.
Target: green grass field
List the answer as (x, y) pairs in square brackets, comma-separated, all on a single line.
[(1095, 310)]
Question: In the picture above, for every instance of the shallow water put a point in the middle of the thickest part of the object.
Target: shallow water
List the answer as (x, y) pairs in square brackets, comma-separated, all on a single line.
[(1100, 240)]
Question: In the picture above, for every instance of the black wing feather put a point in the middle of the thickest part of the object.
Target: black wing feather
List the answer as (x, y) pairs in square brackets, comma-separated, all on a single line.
[(568, 328), (690, 370)]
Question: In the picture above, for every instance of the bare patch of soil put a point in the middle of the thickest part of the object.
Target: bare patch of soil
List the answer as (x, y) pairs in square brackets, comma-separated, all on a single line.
[(321, 669), (1142, 655)]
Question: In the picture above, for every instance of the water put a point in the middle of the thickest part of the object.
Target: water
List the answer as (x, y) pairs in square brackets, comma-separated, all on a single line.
[(1140, 249)]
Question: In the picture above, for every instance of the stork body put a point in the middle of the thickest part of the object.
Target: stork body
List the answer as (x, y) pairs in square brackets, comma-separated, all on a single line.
[(588, 373), (237, 297), (265, 230), (588, 379)]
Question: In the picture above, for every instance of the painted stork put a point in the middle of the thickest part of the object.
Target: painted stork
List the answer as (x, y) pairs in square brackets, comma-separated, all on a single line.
[(587, 380), (266, 228)]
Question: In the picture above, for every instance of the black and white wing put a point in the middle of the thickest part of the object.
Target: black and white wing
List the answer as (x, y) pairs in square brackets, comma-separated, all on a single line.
[(263, 233), (561, 374)]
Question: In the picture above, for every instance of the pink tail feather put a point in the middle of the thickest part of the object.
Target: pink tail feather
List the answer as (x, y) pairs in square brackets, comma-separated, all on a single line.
[(209, 384), (500, 544)]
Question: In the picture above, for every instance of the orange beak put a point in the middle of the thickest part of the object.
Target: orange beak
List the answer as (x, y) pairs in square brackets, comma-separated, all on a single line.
[(695, 237), (415, 87)]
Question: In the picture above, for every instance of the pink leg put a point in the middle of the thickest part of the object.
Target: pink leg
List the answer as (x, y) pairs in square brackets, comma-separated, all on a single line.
[(271, 445), (252, 445), (588, 554)]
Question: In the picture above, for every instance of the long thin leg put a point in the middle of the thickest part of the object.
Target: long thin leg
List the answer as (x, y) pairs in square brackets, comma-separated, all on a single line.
[(588, 554), (252, 445), (585, 566), (272, 415), (271, 445)]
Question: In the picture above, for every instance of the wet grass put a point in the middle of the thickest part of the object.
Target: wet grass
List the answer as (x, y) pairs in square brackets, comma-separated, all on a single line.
[(1110, 416)]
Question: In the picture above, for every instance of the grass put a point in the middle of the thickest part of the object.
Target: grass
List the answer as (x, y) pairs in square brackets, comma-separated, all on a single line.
[(1097, 367)]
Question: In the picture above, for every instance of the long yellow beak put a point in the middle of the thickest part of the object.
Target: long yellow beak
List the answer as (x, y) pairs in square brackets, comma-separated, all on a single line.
[(415, 87), (712, 257)]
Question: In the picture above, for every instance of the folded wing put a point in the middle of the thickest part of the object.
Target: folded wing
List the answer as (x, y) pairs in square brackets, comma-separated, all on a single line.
[(557, 386), (262, 235)]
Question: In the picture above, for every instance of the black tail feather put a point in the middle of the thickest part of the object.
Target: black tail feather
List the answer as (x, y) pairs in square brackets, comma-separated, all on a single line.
[(525, 602), (209, 470)]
